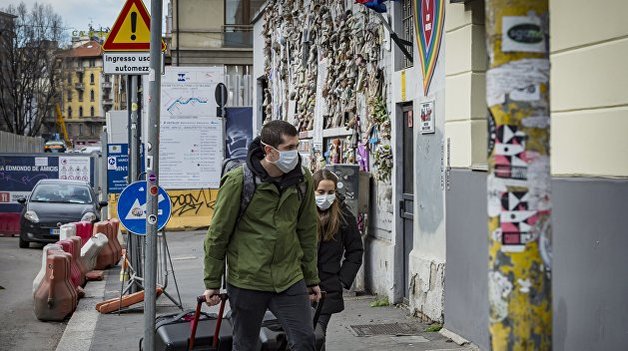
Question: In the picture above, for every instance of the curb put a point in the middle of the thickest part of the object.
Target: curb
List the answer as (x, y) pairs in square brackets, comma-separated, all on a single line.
[(80, 330), (454, 337)]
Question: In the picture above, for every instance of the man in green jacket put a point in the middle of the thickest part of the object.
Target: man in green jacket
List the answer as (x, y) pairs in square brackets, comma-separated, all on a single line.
[(271, 251)]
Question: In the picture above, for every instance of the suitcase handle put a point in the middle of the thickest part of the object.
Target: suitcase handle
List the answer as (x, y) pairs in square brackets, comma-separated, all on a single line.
[(319, 307), (199, 303)]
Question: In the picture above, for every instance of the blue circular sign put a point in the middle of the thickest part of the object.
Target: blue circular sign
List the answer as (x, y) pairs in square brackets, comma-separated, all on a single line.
[(132, 207)]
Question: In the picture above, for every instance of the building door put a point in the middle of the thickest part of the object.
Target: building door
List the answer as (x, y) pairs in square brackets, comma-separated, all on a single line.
[(406, 204)]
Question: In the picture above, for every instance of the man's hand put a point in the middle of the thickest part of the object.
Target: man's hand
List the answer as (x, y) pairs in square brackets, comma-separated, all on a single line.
[(315, 293), (211, 297)]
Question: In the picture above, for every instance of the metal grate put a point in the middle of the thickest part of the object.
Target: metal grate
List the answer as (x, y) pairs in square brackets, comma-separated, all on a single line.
[(386, 329)]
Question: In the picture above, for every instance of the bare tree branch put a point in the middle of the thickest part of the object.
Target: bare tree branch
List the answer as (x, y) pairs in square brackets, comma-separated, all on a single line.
[(29, 81)]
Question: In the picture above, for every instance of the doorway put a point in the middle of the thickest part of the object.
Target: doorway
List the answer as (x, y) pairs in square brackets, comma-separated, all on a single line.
[(406, 203)]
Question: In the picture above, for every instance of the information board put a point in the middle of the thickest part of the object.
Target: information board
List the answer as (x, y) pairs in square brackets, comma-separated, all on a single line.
[(191, 136)]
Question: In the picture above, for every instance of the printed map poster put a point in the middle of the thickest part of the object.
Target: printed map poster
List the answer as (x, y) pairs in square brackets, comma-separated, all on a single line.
[(191, 136)]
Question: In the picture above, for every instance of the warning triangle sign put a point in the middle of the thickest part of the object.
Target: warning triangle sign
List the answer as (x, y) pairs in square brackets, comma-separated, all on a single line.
[(131, 31)]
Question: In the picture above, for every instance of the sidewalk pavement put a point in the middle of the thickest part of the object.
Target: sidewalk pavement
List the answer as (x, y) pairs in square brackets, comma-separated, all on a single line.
[(88, 330)]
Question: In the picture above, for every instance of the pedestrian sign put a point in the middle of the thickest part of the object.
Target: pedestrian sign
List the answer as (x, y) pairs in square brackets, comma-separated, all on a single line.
[(132, 208), (131, 31)]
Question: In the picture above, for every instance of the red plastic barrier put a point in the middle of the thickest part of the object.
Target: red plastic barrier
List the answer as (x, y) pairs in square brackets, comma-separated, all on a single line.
[(84, 231), (107, 256), (79, 262), (77, 278), (55, 298), (9, 224), (115, 227)]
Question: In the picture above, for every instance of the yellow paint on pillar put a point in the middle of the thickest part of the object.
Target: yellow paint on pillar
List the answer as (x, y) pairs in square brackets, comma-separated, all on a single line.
[(403, 86), (518, 189)]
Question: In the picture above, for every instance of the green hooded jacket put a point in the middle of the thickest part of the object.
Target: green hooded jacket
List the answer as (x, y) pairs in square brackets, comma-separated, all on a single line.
[(275, 243)]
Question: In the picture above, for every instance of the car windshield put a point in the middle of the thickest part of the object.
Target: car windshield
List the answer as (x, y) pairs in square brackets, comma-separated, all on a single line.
[(65, 193)]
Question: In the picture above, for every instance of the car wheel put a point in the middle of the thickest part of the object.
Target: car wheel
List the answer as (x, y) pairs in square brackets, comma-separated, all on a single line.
[(23, 243)]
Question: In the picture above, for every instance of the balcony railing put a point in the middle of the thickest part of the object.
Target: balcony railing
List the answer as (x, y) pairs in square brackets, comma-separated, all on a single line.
[(80, 69), (107, 85), (79, 86), (107, 101)]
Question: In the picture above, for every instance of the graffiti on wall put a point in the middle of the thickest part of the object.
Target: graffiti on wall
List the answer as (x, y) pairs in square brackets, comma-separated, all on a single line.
[(192, 202), (190, 208)]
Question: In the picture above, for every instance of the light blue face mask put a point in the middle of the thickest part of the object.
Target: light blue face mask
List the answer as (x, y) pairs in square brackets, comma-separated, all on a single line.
[(325, 201), (287, 159)]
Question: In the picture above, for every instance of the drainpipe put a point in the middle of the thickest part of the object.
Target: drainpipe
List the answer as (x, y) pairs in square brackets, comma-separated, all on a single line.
[(518, 181), (177, 6)]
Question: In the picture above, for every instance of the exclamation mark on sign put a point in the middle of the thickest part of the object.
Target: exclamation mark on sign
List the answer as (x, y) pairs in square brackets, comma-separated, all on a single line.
[(133, 24)]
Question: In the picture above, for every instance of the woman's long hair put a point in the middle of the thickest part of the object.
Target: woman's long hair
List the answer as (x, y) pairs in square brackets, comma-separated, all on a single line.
[(328, 221)]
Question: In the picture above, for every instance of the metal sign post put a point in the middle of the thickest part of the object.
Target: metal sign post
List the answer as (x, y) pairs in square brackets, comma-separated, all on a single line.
[(221, 95), (152, 168)]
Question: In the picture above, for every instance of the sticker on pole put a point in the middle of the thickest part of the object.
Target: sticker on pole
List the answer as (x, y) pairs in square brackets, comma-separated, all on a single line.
[(132, 208)]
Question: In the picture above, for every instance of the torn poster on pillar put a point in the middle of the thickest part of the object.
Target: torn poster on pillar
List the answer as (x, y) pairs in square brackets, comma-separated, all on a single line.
[(510, 153), (499, 289), (523, 34), (515, 79)]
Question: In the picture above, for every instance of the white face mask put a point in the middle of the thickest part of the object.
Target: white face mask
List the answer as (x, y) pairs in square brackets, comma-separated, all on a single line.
[(287, 160), (325, 201)]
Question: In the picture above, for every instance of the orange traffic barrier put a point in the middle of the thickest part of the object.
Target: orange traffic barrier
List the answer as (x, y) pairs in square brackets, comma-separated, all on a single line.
[(79, 262), (42, 271), (115, 229), (55, 298), (116, 303), (107, 256), (75, 272)]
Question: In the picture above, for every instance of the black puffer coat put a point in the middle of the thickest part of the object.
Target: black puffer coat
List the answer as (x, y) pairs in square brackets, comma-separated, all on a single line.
[(334, 272)]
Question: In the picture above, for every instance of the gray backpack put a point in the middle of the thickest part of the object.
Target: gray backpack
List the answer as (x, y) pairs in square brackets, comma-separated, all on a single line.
[(249, 184)]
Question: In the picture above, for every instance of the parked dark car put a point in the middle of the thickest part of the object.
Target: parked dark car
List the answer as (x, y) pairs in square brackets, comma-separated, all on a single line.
[(54, 202)]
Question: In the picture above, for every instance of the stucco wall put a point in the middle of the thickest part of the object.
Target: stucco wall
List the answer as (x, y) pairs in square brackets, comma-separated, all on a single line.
[(465, 93), (589, 274), (589, 80)]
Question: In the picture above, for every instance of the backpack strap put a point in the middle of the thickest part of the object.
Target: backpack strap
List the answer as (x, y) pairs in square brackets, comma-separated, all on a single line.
[(248, 190)]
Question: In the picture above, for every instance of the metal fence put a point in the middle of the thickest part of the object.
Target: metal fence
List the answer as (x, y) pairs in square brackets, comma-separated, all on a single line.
[(19, 144)]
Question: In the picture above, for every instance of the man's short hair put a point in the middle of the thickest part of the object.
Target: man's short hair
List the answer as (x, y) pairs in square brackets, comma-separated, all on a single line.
[(273, 131)]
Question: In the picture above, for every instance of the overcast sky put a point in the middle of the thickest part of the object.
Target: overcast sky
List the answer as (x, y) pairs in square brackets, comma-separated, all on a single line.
[(78, 14)]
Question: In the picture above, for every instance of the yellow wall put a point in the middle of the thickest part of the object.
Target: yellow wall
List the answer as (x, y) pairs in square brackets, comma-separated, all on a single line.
[(589, 82), (191, 209), (86, 103), (589, 85), (465, 84)]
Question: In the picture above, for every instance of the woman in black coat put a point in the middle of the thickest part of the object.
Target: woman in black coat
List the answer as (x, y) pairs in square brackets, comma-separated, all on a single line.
[(340, 245)]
